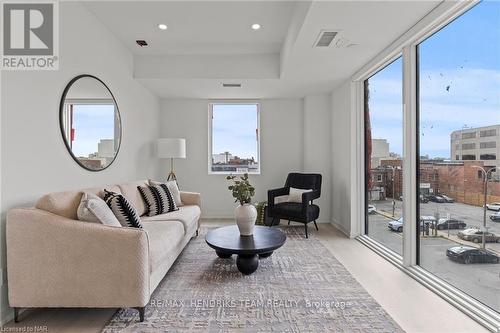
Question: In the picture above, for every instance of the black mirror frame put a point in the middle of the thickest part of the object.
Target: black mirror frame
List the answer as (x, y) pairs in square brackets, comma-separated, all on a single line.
[(61, 126)]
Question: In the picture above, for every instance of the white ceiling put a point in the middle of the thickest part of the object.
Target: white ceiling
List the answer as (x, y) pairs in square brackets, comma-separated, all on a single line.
[(211, 42)]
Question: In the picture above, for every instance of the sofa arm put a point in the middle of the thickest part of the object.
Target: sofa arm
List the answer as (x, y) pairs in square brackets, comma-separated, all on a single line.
[(53, 261), (191, 198)]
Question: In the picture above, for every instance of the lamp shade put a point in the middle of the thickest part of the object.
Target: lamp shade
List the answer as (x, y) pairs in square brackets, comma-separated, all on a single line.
[(172, 148)]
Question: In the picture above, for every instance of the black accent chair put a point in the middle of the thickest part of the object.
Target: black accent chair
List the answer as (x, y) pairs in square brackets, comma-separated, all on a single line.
[(304, 212)]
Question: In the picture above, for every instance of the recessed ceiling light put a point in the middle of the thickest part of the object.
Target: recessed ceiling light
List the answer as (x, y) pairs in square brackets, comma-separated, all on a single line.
[(255, 26), (162, 26)]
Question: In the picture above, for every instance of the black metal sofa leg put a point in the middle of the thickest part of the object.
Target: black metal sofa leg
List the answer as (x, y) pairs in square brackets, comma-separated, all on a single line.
[(305, 226), (16, 315), (141, 313), (316, 225)]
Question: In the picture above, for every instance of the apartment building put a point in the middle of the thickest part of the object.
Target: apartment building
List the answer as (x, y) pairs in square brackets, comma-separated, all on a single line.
[(477, 144)]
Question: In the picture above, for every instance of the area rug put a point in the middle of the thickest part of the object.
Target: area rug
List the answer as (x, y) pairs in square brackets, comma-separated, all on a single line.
[(302, 287)]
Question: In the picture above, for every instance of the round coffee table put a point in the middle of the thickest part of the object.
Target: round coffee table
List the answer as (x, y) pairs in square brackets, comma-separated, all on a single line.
[(227, 241)]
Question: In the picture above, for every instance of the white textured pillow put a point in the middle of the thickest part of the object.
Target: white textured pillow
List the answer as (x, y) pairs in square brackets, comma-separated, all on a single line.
[(94, 209), (172, 187), (295, 194)]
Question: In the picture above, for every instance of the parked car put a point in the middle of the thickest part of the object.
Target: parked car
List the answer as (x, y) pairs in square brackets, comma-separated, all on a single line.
[(447, 199), (495, 217), (476, 236), (423, 199), (437, 198), (471, 255), (397, 225), (371, 209), (493, 206), (444, 224)]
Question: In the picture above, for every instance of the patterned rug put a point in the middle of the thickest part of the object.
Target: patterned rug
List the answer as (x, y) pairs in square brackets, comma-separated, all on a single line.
[(300, 288)]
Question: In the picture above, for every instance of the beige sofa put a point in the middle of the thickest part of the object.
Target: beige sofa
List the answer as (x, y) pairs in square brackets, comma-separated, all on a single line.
[(54, 260)]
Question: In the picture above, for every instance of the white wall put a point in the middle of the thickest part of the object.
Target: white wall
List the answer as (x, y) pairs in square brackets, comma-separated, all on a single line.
[(34, 158), (341, 157), (317, 147), (281, 150)]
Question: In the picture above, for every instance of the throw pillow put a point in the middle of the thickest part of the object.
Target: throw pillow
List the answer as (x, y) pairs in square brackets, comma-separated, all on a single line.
[(173, 188), (295, 194), (158, 199), (94, 209), (123, 210)]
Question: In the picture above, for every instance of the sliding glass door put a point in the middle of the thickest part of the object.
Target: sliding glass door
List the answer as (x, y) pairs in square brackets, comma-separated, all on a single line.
[(459, 141)]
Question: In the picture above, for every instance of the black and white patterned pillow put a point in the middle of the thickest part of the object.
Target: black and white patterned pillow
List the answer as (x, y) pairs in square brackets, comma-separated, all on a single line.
[(123, 209), (158, 199)]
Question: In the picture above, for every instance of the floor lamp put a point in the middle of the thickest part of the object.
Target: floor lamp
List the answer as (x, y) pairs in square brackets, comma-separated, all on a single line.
[(172, 148)]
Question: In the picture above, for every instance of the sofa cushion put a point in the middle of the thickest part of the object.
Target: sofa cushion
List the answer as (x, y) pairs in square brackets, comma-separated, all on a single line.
[(123, 209), (130, 191), (158, 199), (163, 237), (94, 209), (173, 188), (66, 203), (188, 215), (294, 211)]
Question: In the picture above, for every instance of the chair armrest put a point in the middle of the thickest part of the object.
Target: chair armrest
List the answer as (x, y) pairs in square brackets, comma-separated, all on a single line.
[(271, 194), (308, 197), (53, 261), (191, 198)]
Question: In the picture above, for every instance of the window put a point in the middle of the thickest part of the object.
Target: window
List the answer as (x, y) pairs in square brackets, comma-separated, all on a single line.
[(469, 157), (491, 144), (488, 157), (234, 138), (486, 133), (458, 72), (384, 139), (469, 135), (379, 178), (468, 146)]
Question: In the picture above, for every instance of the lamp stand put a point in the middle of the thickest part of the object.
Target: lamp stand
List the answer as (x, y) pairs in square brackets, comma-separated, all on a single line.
[(171, 175)]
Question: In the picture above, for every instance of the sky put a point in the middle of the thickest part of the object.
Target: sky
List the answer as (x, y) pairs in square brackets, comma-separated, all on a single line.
[(234, 130), (459, 72), (92, 123)]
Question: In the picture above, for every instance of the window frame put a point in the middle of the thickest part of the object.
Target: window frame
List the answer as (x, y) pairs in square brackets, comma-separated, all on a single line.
[(210, 130), (442, 15)]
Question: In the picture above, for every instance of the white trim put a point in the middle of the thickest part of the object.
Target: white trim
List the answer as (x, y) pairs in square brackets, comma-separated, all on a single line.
[(409, 156), (211, 103), (357, 159)]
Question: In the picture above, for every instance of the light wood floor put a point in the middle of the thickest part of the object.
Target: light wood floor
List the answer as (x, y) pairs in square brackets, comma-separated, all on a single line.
[(413, 307)]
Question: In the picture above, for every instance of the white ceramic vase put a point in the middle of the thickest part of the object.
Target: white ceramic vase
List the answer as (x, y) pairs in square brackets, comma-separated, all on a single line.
[(246, 215)]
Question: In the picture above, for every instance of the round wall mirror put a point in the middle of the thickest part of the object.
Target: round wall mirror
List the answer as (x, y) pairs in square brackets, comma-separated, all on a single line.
[(90, 122)]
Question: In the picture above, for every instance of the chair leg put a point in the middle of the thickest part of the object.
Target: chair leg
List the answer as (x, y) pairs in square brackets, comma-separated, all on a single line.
[(288, 222), (305, 226), (316, 225), (141, 313), (16, 315)]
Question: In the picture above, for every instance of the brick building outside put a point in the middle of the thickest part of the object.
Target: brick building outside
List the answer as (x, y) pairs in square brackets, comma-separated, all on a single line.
[(461, 181)]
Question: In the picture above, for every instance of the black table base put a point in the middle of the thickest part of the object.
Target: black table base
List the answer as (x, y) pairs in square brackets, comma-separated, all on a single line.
[(227, 241)]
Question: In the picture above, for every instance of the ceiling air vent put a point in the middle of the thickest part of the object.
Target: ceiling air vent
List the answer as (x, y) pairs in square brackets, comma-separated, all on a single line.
[(231, 85), (325, 38)]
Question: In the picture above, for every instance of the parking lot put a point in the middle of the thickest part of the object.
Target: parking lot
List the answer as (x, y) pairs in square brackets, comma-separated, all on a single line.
[(481, 281)]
